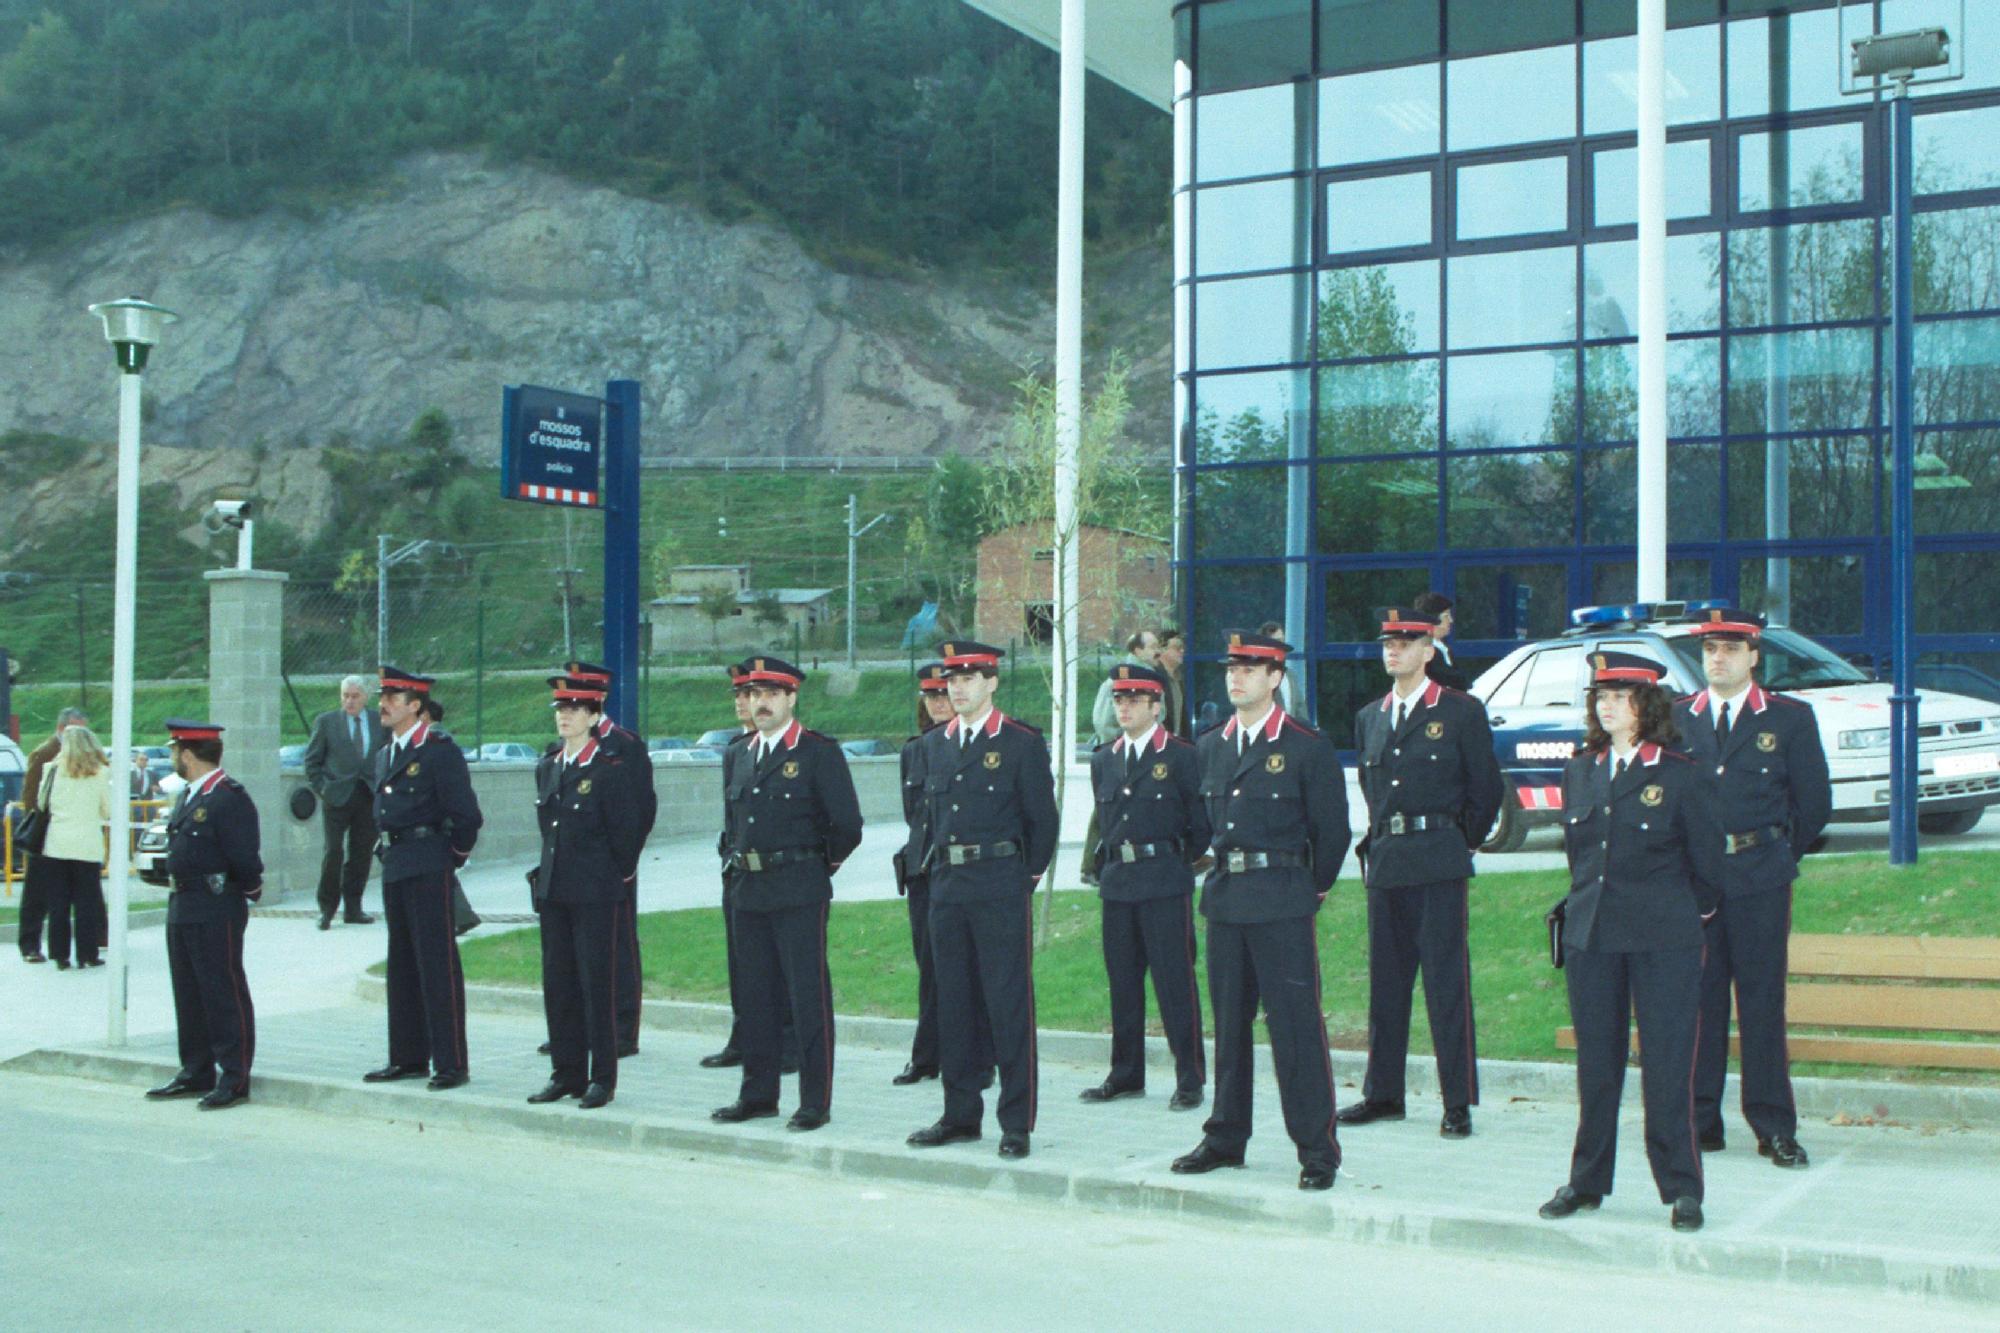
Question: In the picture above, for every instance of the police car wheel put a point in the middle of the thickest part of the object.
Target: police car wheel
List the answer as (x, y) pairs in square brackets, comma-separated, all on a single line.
[(1956, 821), (1509, 829)]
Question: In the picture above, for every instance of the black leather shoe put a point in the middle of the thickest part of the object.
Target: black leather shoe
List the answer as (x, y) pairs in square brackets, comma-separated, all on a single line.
[(553, 1091), (1687, 1214), (90, 962), (943, 1132), (1107, 1091), (446, 1082), (62, 964), (1711, 1140), (739, 1110), (1203, 1160), (1363, 1113), (628, 1049), (545, 1048), (594, 1097), (1183, 1100), (390, 1073), (1014, 1144), (1567, 1201), (223, 1097), (1783, 1151), (1457, 1123), (36, 957), (805, 1122), (914, 1073), (180, 1085), (358, 919), (789, 1065), (1316, 1178), (726, 1058), (326, 921)]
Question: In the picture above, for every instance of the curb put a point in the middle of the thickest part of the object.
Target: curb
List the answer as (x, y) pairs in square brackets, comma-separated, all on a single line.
[(1862, 1100), (1354, 1216)]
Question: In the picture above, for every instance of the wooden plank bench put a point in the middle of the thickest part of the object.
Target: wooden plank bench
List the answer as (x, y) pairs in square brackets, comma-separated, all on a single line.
[(1887, 983)]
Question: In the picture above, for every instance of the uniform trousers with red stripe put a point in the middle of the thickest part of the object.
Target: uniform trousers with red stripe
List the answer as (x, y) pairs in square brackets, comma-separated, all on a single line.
[(426, 984), (1156, 935), (580, 990), (1411, 928), (780, 971), (984, 951), (1663, 989), (631, 972), (212, 1009), (1277, 963)]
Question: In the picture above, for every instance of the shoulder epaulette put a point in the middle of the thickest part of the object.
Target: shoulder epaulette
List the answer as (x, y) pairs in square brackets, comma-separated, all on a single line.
[(1016, 722), (739, 738), (436, 734), (1297, 725), (1665, 753), (1786, 699)]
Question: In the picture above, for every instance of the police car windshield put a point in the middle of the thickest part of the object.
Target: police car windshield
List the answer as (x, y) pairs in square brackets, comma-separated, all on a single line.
[(1788, 661)]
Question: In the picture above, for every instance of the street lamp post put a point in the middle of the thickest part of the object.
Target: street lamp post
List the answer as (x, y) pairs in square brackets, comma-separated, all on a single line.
[(132, 327)]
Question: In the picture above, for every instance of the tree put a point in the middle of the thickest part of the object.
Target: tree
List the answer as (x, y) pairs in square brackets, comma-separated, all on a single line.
[(767, 609), (718, 604)]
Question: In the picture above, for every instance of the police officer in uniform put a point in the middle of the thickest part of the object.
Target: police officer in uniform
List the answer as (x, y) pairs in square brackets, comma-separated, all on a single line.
[(1762, 751), (214, 863), (590, 803), (1147, 785), (427, 819), (993, 823), (933, 710), (1645, 867), (792, 819), (1433, 786), (615, 742), (1277, 802)]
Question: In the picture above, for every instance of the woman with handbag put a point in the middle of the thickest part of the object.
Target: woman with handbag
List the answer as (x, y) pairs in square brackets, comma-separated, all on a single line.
[(31, 829), (1644, 844), (71, 863)]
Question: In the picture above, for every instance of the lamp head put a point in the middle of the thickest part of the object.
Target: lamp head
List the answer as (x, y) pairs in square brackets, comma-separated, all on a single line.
[(132, 327), (1898, 56)]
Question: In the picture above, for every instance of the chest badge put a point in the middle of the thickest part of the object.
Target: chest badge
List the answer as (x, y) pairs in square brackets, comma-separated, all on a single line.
[(1653, 794), (583, 787), (200, 813), (992, 759), (1159, 772), (1767, 741), (415, 769), (1274, 763), (1434, 731), (791, 769)]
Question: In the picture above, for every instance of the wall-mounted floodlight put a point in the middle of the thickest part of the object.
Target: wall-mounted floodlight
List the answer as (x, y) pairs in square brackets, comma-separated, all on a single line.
[(1898, 56)]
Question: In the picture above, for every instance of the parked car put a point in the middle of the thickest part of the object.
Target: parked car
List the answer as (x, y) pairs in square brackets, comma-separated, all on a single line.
[(656, 744), (494, 752), (719, 738), (291, 756), (694, 754), (13, 770), (866, 749), (1534, 698)]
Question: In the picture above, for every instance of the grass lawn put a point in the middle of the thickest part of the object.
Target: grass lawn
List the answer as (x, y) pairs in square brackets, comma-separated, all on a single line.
[(1518, 998)]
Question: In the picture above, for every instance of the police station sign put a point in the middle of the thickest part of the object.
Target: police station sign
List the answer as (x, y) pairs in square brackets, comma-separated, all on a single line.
[(550, 447)]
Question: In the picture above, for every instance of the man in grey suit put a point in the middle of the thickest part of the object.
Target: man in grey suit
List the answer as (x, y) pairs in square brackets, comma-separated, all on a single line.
[(337, 770)]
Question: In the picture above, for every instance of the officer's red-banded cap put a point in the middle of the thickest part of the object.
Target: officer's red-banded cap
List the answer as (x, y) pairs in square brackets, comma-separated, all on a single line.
[(1624, 669), (572, 689), (589, 671), (1243, 646), (769, 671), (965, 655), (395, 678), (181, 729), (1728, 623), (1404, 622), (1129, 679), (931, 678)]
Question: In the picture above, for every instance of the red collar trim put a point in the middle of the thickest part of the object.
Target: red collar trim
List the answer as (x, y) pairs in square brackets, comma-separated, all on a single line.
[(585, 755), (1156, 744), (1272, 725), (1648, 754), (1754, 698), (990, 730), (789, 737), (207, 784), (414, 737), (1432, 693)]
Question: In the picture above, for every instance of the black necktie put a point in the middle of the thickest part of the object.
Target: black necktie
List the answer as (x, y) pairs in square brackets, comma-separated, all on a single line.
[(1402, 714), (354, 730), (1618, 769), (1131, 759), (1722, 725)]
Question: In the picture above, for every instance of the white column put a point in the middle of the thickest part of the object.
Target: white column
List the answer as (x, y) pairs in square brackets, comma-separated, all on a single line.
[(1652, 469), (124, 608), (1069, 374)]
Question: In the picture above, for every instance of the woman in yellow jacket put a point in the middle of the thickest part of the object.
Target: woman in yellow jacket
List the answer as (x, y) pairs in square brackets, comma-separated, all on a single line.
[(71, 865)]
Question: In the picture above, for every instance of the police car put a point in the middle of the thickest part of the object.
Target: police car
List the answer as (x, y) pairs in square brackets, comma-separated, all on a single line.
[(1534, 699)]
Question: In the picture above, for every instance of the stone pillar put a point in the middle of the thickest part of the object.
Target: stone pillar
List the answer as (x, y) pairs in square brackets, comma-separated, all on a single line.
[(246, 625)]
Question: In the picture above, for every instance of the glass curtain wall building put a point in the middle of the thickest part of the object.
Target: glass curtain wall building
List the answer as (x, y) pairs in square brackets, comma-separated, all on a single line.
[(1405, 275)]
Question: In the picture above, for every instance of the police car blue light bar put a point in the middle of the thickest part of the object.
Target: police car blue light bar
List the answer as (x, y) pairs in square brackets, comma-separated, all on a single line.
[(1611, 615)]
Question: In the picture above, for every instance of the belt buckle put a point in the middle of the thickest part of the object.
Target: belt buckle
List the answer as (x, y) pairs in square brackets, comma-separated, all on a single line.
[(1397, 824), (753, 862), (954, 855), (1238, 862), (1127, 852), (1739, 841)]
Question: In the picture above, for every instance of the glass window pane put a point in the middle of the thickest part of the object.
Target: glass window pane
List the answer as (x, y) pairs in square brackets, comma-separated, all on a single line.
[(1252, 41), (1611, 18), (1265, 225), (1370, 507), (1611, 494), (1374, 117), (1955, 594), (1958, 372), (1807, 274), (1810, 380), (1354, 33), (1611, 286), (1511, 499), (1611, 80), (1248, 133), (1957, 260), (1618, 581), (1615, 183), (1975, 49), (1819, 164), (1472, 26), (1378, 213), (1510, 601), (1344, 688), (1240, 511), (1513, 198), (1827, 486), (1953, 150), (1230, 597), (1379, 407), (1503, 300), (1801, 47), (1958, 482), (1825, 592), (1611, 391), (1510, 398), (1519, 97), (1378, 310), (1352, 595), (1251, 321), (1245, 418)]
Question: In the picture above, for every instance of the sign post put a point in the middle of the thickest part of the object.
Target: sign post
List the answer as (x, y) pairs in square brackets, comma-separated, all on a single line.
[(621, 549)]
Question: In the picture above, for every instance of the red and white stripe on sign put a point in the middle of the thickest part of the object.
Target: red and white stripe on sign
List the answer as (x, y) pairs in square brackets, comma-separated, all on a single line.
[(560, 494), (1540, 798)]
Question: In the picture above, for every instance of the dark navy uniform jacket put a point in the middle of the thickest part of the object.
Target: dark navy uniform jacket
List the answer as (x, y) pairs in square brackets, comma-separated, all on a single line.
[(626, 747), (1441, 762), (916, 848), (1286, 793), (1771, 774), (213, 831), (427, 788), (800, 802), (994, 788), (1645, 853), (1155, 799), (594, 814)]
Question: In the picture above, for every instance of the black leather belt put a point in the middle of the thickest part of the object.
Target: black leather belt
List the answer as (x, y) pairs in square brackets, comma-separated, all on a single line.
[(757, 862), (965, 853), (1141, 851), (216, 884), (1397, 825), (415, 831), (1733, 843), (1236, 861)]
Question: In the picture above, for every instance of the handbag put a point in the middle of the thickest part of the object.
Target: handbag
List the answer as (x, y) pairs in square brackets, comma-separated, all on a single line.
[(31, 831), (463, 918)]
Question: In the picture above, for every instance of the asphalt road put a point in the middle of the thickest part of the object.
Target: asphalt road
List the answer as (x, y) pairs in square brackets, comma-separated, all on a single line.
[(127, 1214)]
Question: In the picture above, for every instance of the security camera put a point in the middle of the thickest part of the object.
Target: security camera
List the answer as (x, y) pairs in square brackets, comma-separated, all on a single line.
[(230, 513)]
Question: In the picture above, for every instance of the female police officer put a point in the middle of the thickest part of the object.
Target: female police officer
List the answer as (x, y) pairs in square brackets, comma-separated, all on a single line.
[(1645, 864)]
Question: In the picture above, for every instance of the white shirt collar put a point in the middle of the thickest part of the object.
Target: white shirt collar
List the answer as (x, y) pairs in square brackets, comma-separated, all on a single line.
[(1144, 743), (1742, 694), (975, 727), (1416, 691), (1256, 729)]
